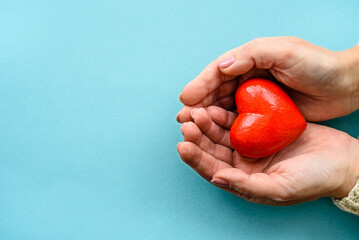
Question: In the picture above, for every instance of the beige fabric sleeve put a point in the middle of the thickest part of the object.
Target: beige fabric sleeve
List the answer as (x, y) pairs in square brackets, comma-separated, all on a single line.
[(351, 202)]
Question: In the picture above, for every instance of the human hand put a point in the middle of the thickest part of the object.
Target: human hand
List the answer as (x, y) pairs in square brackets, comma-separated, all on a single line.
[(322, 162), (323, 84)]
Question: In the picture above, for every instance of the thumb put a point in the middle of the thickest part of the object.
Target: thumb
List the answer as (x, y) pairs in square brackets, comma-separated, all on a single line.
[(256, 184), (263, 53)]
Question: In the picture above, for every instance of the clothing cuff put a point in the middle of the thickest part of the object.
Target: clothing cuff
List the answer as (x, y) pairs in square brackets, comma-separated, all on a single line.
[(351, 202)]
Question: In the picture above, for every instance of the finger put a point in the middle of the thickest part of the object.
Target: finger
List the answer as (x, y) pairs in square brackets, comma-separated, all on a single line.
[(268, 201), (260, 185), (225, 119), (259, 200), (262, 200), (216, 97), (193, 134), (227, 103), (214, 132), (203, 163), (185, 114), (206, 82), (263, 53), (226, 89), (221, 117)]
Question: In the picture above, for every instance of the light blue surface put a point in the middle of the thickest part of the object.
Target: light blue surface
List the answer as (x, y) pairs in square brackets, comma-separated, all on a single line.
[(89, 94)]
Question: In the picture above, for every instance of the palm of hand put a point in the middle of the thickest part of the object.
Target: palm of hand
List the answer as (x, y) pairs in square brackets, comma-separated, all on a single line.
[(303, 171)]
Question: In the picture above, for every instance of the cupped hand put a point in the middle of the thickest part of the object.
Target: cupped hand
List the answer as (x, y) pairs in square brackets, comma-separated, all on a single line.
[(321, 82), (322, 162)]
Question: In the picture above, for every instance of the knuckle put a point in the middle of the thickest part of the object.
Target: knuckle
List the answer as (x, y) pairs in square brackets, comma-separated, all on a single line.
[(295, 39), (257, 40), (291, 39), (247, 47)]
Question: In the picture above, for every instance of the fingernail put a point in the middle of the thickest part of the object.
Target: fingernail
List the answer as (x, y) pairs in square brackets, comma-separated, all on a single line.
[(220, 182), (226, 62), (193, 112)]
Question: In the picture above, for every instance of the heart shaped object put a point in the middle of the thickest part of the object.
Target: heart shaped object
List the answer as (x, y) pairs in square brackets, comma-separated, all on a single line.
[(268, 119)]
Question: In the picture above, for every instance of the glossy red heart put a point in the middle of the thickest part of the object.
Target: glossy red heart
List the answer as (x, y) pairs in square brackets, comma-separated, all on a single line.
[(268, 119)]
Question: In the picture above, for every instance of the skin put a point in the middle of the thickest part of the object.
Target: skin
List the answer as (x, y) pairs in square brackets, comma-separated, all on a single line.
[(323, 84), (322, 162), (319, 163)]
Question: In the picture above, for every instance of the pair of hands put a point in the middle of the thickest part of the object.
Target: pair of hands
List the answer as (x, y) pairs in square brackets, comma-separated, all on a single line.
[(322, 162)]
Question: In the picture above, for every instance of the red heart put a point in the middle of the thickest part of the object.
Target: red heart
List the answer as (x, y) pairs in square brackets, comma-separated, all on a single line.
[(268, 119)]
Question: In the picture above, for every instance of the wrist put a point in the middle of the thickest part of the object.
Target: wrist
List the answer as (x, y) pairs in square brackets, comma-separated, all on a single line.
[(351, 175), (350, 63)]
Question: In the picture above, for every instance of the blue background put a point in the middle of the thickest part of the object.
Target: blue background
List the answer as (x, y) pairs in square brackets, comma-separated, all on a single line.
[(89, 94)]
